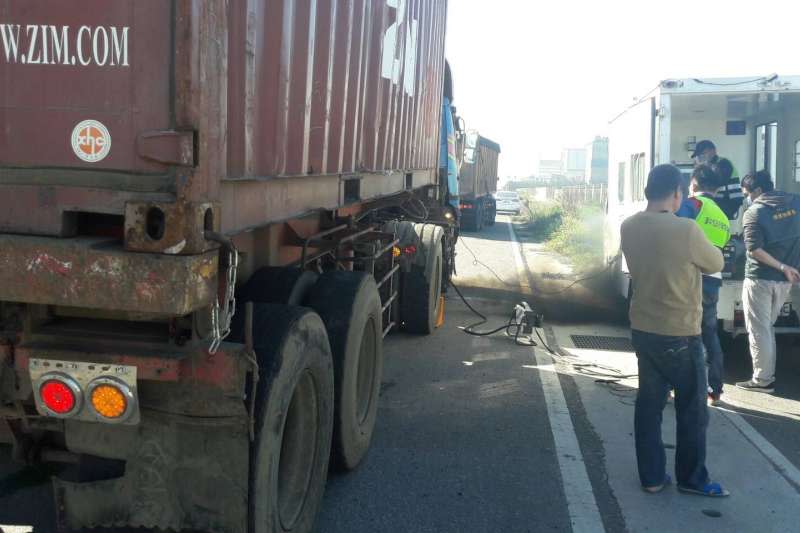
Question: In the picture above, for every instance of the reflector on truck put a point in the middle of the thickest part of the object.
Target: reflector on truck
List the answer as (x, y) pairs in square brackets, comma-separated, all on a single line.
[(93, 392)]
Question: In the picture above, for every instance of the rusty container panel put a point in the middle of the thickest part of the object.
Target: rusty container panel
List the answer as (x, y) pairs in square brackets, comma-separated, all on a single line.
[(334, 86), (259, 107), (479, 178), (80, 80)]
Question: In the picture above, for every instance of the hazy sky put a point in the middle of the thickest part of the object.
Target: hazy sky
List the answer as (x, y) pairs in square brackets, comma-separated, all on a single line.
[(541, 75)]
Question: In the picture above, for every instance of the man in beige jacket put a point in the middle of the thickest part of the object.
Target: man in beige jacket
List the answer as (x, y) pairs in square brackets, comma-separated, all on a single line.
[(667, 256)]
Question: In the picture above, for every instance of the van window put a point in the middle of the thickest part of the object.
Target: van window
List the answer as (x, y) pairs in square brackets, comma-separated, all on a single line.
[(767, 148), (638, 176), (621, 183), (510, 195)]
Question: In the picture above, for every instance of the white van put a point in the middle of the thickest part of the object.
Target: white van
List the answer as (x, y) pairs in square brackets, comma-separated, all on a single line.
[(754, 122)]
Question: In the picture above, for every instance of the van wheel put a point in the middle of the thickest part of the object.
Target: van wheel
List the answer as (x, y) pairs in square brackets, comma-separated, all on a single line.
[(350, 307), (422, 289), (293, 418)]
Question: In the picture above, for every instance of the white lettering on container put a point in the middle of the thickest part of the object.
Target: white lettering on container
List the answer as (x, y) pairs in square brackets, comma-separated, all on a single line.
[(88, 30), (10, 34), (60, 45), (120, 53), (33, 31), (43, 44), (95, 48), (395, 62)]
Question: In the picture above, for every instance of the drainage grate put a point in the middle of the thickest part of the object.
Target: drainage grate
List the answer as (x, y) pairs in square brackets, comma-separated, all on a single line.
[(596, 342)]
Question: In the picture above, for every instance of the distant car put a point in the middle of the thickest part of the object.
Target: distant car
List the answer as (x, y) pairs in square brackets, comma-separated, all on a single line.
[(508, 202)]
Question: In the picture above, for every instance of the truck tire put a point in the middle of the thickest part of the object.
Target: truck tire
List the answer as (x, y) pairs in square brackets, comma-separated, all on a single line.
[(403, 230), (293, 418), (491, 215), (350, 307), (480, 215), (278, 285), (419, 305)]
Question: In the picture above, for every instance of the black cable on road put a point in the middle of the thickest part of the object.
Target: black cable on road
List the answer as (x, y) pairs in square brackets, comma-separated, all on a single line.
[(604, 374)]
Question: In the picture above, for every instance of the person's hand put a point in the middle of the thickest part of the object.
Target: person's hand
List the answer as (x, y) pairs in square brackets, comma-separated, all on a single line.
[(791, 273)]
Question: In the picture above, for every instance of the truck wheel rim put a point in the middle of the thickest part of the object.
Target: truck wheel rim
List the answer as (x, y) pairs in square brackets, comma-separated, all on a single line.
[(366, 372), (298, 451)]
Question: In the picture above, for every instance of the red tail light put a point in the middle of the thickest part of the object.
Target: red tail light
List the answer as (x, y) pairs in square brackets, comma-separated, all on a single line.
[(58, 397), (466, 206), (410, 249)]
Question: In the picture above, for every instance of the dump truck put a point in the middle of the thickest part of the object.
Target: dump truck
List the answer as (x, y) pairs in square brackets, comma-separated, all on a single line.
[(478, 182), (211, 215)]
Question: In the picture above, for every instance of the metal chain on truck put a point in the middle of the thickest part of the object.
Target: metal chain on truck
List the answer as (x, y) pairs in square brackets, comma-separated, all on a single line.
[(221, 318)]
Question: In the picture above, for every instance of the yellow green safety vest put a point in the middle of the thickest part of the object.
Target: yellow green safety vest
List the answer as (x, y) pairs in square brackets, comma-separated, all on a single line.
[(713, 222)]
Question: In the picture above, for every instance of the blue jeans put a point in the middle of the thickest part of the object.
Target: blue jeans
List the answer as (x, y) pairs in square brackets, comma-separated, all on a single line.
[(714, 356), (671, 363)]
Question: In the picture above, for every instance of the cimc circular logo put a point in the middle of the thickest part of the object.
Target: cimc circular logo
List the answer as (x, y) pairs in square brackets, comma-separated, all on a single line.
[(91, 141)]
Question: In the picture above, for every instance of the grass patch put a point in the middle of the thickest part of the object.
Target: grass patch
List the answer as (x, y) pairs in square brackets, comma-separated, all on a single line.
[(539, 221), (580, 237), (575, 232)]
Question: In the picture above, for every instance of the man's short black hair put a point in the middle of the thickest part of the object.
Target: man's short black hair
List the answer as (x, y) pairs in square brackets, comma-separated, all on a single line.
[(702, 146), (707, 179), (724, 168), (662, 182), (760, 179)]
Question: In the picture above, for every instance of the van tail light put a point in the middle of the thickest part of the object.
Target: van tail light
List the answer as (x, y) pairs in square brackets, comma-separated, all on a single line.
[(60, 395)]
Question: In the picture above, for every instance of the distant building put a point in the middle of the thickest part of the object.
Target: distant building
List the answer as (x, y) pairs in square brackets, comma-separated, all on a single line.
[(596, 171), (551, 168), (574, 161)]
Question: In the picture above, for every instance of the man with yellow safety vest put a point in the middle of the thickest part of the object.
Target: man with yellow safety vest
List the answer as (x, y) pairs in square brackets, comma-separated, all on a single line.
[(702, 207)]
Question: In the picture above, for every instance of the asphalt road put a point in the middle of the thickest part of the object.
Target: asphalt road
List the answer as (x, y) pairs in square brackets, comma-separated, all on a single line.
[(449, 457), (479, 434)]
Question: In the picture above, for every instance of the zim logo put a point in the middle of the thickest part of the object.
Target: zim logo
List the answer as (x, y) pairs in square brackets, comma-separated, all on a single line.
[(91, 141)]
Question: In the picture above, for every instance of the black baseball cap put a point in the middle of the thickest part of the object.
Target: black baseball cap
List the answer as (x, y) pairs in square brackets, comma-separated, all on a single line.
[(702, 146)]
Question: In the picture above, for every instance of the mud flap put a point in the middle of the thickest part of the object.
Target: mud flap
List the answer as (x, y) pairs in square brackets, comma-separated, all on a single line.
[(184, 473)]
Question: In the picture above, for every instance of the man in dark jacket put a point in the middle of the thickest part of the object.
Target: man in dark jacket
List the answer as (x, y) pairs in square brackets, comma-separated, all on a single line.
[(772, 238), (729, 195)]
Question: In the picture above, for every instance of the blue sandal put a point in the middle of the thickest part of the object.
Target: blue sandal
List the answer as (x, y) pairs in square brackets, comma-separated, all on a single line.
[(712, 490)]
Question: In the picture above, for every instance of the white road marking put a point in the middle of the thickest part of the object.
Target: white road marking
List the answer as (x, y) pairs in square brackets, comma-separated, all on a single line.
[(783, 466), (761, 480), (581, 503)]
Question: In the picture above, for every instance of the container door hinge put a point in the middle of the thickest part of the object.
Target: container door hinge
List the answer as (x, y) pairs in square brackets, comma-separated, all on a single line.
[(168, 147)]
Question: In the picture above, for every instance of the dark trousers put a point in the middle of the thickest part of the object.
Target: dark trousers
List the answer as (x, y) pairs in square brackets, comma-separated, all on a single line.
[(671, 363), (715, 359)]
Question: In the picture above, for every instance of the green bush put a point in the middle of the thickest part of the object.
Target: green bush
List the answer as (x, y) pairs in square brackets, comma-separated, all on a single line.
[(580, 236), (540, 220), (574, 231)]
